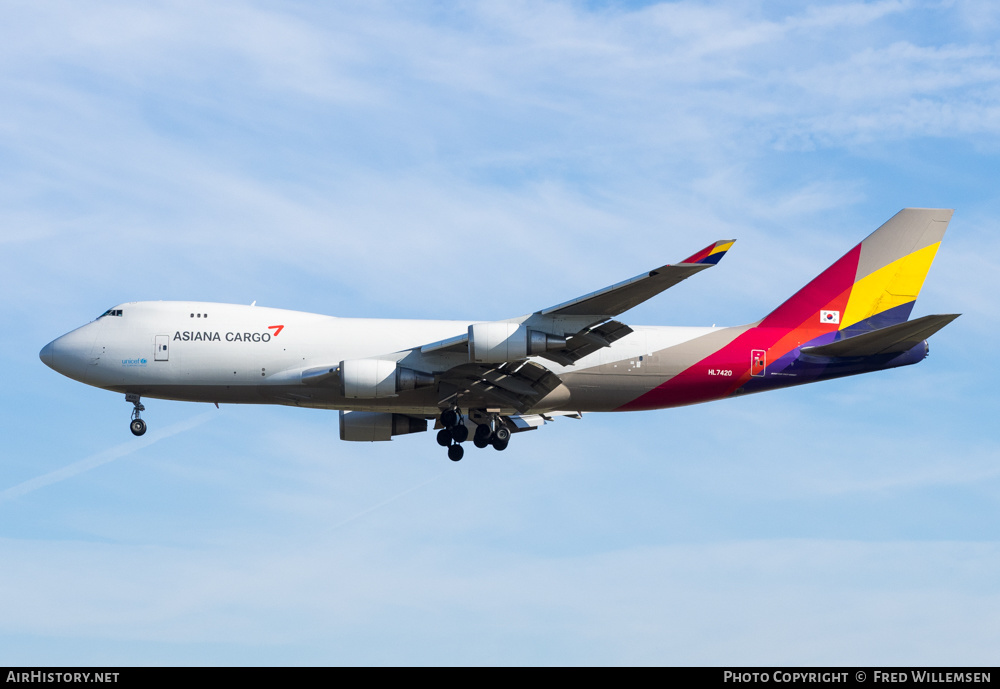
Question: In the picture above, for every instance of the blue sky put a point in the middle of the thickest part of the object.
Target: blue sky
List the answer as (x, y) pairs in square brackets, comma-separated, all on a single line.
[(481, 160)]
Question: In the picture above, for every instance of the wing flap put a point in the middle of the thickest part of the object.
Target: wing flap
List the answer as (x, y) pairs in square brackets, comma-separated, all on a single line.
[(518, 385), (588, 341), (510, 383), (895, 338), (529, 422)]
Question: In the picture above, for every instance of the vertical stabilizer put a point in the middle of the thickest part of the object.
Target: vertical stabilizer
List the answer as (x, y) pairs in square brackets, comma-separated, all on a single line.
[(873, 285)]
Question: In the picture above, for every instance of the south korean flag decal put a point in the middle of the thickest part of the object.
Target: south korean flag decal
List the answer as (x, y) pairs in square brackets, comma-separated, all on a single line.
[(829, 317)]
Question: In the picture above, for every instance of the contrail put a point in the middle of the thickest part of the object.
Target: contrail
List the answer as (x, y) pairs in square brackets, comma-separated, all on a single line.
[(386, 502), (109, 455)]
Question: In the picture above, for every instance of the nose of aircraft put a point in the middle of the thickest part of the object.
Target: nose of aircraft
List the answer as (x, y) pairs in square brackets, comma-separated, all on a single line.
[(70, 354), (46, 354)]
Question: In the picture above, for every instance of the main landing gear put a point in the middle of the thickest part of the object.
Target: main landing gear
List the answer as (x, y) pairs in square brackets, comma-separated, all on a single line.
[(137, 426), (486, 435), (490, 430), (453, 434)]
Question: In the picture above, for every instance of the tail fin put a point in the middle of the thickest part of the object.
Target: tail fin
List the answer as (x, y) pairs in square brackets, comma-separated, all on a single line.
[(873, 285)]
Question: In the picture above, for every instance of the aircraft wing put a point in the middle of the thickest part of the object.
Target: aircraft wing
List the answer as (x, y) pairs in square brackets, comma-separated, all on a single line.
[(518, 385), (529, 422), (621, 297), (587, 341), (564, 333), (585, 322), (597, 308)]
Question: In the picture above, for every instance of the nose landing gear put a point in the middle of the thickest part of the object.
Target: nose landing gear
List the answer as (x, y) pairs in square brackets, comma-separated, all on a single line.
[(137, 426)]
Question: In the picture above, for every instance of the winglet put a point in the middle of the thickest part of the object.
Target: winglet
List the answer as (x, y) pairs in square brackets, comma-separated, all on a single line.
[(712, 253)]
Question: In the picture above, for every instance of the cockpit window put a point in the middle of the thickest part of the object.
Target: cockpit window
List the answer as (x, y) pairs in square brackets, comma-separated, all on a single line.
[(111, 312)]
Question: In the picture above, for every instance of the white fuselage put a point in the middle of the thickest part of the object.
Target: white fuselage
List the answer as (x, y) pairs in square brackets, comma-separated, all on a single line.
[(211, 352)]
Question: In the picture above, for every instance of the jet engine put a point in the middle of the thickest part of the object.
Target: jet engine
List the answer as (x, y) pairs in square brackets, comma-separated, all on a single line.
[(372, 426), (378, 378), (497, 342)]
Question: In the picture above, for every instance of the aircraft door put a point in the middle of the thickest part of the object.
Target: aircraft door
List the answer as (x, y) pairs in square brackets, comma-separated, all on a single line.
[(758, 362), (162, 353)]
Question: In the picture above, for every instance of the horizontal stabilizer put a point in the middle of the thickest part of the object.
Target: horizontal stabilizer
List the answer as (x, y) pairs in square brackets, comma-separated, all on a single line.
[(901, 337)]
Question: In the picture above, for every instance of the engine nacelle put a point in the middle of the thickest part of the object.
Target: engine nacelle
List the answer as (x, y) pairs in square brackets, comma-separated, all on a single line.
[(379, 378), (373, 426), (495, 343)]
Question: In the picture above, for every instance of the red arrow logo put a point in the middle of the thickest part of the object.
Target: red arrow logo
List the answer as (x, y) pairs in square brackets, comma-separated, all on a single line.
[(277, 329)]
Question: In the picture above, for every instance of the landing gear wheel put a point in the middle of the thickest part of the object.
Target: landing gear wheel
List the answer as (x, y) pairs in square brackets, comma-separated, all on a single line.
[(444, 437), (138, 426), (456, 452), (500, 445), (503, 435), (450, 418), (460, 433), (482, 436)]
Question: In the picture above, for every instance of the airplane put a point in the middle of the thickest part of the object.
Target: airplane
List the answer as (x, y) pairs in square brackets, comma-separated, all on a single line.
[(495, 378)]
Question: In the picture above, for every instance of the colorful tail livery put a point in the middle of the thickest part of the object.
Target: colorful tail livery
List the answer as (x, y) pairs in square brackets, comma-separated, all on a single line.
[(852, 318), (484, 380)]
